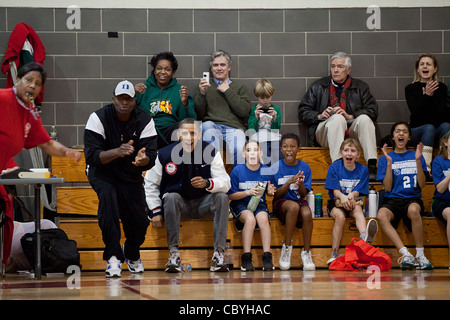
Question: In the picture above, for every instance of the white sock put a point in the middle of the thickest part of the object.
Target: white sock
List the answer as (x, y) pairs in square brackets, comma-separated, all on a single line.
[(404, 251), (419, 252)]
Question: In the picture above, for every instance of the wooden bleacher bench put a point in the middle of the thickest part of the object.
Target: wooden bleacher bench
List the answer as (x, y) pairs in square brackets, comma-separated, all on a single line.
[(77, 209)]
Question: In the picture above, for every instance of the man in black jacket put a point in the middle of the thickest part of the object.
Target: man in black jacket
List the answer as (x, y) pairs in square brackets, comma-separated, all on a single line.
[(120, 143), (339, 106)]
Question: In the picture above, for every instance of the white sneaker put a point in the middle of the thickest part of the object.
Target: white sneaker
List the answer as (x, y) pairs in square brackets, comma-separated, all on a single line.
[(307, 262), (424, 263), (135, 266), (113, 267), (371, 230), (285, 258)]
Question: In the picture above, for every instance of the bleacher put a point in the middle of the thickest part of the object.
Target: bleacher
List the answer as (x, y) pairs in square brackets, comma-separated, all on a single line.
[(77, 209)]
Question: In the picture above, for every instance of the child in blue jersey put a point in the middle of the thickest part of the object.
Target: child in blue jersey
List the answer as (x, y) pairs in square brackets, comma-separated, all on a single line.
[(292, 178), (347, 183), (244, 181), (441, 178), (402, 172)]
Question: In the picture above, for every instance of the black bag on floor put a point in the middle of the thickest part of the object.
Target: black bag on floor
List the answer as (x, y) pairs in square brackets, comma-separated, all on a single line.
[(57, 251)]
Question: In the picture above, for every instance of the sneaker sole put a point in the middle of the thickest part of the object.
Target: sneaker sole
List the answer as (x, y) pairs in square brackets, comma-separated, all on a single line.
[(113, 274), (219, 269), (173, 269), (372, 229)]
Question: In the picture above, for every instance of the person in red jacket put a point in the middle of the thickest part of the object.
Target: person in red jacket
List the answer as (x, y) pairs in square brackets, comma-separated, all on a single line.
[(21, 126)]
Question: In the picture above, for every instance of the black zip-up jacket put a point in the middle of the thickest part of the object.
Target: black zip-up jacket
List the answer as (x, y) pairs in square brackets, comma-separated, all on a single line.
[(104, 132), (317, 99)]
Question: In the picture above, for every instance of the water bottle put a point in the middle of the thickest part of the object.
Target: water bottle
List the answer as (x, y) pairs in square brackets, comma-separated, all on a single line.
[(54, 134), (310, 200), (318, 201), (228, 255), (186, 267), (373, 203), (254, 200)]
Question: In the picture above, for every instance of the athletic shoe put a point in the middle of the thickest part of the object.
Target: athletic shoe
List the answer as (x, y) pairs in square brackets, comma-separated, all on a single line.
[(218, 263), (238, 225), (174, 263), (307, 262), (423, 263), (408, 262), (267, 262), (113, 267), (246, 262), (371, 230), (284, 263), (334, 256), (135, 266)]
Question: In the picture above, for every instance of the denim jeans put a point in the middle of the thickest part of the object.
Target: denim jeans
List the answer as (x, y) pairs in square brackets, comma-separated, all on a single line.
[(428, 134), (217, 134)]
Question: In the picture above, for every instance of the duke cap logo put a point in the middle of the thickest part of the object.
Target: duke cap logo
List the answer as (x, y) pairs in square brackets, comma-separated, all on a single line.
[(124, 87)]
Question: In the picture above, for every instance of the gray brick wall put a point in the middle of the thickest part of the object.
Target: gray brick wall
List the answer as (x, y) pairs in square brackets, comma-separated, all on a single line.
[(290, 47)]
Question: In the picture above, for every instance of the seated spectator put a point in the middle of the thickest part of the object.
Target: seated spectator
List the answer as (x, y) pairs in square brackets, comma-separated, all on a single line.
[(265, 119), (403, 174), (246, 180), (427, 101), (441, 178), (339, 106), (347, 183), (292, 178), (224, 105), (189, 181), (164, 98)]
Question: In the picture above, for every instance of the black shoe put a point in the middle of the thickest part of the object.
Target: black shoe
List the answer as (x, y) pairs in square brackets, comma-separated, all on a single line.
[(372, 165), (246, 262), (267, 261)]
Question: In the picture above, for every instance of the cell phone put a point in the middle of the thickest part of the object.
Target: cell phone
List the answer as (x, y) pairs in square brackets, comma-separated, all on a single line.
[(265, 109), (206, 76)]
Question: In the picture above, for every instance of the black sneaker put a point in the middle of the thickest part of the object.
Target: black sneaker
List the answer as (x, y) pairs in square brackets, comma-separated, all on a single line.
[(246, 260), (267, 261)]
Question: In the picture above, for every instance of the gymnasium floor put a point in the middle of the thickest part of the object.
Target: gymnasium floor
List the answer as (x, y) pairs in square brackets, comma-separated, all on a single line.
[(200, 285)]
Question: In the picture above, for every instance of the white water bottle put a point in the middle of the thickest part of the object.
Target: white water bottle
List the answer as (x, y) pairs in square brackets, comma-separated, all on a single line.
[(310, 200), (373, 203)]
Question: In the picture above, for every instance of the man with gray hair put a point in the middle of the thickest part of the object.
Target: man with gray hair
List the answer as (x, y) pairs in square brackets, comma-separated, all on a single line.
[(339, 106), (224, 106)]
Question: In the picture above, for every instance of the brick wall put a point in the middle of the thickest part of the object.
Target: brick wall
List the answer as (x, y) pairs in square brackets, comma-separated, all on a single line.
[(291, 47)]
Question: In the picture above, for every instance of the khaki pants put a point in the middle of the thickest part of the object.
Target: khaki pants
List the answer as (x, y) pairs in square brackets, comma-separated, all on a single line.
[(331, 133)]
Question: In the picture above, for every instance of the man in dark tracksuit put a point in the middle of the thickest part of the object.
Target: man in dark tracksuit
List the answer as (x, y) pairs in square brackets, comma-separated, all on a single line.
[(120, 143)]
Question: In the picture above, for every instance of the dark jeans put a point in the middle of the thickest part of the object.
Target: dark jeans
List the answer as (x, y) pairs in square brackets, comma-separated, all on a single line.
[(428, 134)]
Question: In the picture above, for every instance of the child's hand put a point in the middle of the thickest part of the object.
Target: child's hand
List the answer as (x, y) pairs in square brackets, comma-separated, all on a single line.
[(388, 158), (253, 191), (419, 151), (271, 189), (301, 178), (348, 202)]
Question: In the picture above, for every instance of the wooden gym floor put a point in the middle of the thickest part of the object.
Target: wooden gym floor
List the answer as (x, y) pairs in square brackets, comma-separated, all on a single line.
[(296, 284)]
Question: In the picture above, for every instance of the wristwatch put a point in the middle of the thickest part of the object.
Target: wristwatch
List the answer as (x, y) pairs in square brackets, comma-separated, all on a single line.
[(208, 183)]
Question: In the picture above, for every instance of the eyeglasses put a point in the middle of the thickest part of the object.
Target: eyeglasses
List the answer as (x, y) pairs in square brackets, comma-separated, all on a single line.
[(405, 131)]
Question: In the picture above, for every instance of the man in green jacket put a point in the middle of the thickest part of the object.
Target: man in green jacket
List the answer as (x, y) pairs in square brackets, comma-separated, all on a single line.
[(224, 106)]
